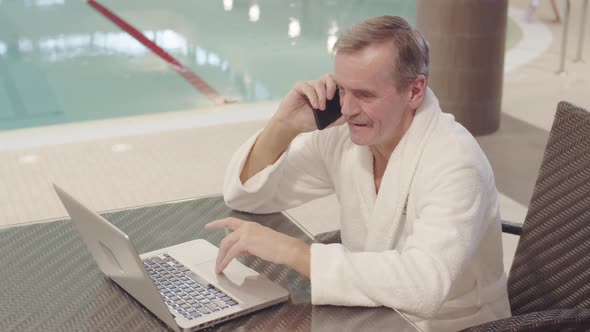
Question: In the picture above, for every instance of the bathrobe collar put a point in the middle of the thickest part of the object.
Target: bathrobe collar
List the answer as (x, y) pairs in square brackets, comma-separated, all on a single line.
[(387, 207)]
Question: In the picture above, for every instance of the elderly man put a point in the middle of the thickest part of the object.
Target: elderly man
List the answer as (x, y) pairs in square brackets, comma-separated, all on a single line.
[(419, 208)]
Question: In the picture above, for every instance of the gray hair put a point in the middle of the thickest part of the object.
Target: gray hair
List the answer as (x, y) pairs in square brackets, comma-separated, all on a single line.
[(412, 57)]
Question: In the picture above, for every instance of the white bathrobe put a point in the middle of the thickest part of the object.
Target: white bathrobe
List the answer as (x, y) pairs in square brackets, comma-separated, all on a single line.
[(428, 244)]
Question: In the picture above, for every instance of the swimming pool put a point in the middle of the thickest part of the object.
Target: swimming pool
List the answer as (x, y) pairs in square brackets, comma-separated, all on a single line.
[(62, 61)]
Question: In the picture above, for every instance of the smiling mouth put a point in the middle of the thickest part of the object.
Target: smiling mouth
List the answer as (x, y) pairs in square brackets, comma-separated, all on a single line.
[(358, 124)]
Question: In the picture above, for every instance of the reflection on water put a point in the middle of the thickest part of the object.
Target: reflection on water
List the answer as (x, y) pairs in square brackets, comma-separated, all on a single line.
[(43, 3), (62, 47), (254, 13), (246, 50)]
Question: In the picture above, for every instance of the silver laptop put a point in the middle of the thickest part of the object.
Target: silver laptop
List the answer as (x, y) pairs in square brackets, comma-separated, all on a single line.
[(178, 284)]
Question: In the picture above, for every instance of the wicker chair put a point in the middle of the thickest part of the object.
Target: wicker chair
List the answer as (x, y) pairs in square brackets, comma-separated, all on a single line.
[(549, 282)]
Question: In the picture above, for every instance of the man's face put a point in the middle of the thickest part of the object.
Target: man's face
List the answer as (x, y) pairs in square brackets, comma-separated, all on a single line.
[(375, 110)]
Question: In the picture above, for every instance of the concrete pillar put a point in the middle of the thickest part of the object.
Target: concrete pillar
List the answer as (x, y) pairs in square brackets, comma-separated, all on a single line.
[(467, 40)]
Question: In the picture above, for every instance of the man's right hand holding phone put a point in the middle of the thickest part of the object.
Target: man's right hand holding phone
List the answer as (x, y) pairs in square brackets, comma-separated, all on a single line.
[(294, 116), (297, 108)]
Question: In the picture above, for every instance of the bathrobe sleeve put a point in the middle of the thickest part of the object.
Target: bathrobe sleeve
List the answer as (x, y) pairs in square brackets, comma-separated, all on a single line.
[(298, 176), (451, 214)]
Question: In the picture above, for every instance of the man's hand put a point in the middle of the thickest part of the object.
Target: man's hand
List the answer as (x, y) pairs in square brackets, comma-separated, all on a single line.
[(295, 110), (249, 238), (293, 117)]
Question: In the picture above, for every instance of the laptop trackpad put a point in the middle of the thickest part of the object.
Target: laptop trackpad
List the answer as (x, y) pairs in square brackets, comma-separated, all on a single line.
[(239, 280), (235, 273)]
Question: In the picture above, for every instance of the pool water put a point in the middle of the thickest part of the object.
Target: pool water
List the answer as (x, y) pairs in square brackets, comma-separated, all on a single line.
[(62, 61)]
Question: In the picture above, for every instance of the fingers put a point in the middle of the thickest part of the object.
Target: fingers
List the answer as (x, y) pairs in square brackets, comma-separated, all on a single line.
[(331, 86), (251, 239), (317, 92), (307, 90), (224, 248), (320, 90), (226, 252), (231, 223), (233, 252)]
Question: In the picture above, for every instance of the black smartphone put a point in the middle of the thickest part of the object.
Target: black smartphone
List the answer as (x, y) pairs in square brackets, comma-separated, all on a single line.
[(330, 114)]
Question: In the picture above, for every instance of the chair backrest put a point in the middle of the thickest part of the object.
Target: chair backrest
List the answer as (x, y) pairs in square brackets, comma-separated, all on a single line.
[(551, 268)]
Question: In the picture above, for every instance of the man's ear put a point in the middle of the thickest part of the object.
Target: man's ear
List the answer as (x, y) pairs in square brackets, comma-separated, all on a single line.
[(417, 91)]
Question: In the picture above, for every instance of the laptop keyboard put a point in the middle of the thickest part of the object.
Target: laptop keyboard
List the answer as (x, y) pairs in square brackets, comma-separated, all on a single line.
[(183, 290)]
